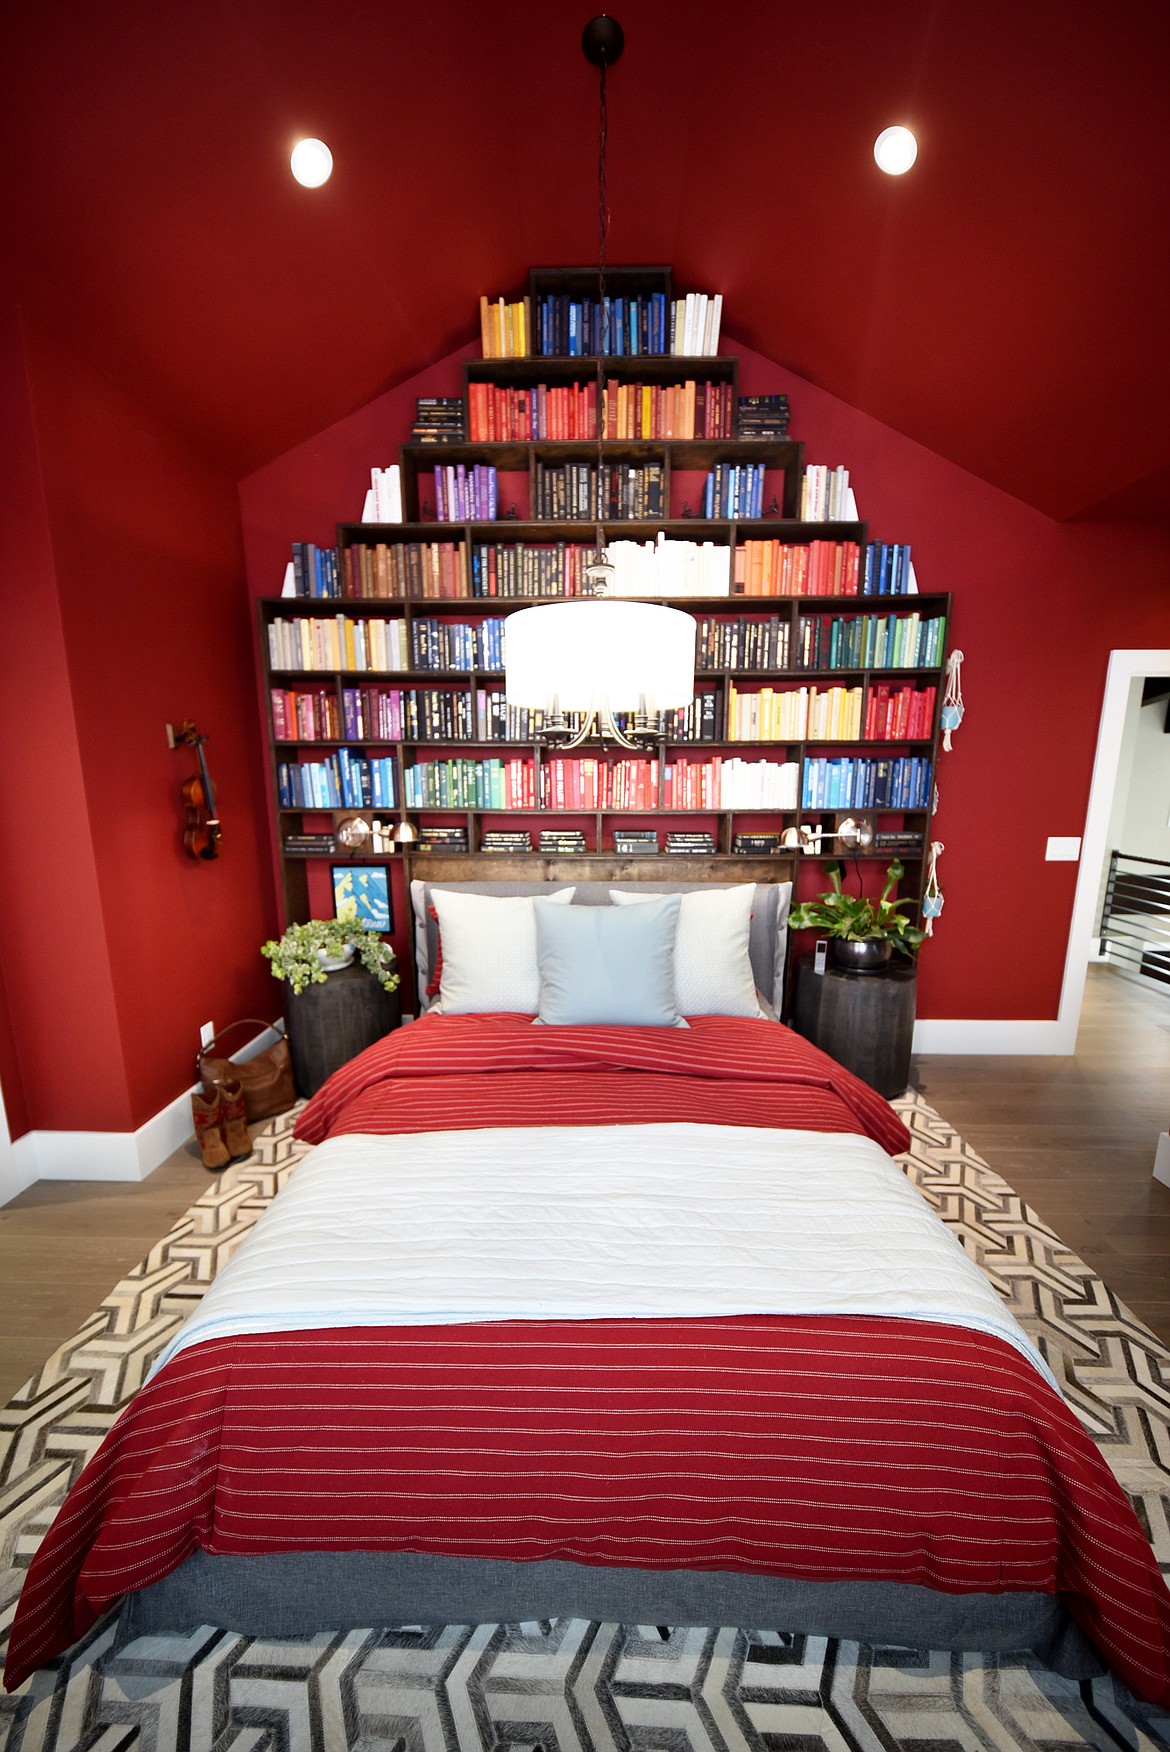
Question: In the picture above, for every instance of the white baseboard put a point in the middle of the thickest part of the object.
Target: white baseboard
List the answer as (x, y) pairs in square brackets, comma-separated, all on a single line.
[(17, 1169), (100, 1155), (995, 1037)]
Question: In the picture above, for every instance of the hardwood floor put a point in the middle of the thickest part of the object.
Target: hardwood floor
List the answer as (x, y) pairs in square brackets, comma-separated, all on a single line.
[(64, 1244), (1075, 1137)]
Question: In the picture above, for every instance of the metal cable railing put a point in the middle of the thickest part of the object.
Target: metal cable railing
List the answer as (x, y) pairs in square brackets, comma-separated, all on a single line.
[(1135, 914)]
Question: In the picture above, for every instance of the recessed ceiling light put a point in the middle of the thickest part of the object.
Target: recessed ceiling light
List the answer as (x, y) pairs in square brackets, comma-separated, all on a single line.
[(311, 163), (895, 150)]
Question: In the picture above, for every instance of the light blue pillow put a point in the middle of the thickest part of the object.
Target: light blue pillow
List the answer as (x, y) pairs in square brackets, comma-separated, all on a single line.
[(608, 964)]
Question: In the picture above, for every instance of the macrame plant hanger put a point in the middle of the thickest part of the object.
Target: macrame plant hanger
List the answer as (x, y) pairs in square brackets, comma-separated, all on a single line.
[(952, 708), (932, 894)]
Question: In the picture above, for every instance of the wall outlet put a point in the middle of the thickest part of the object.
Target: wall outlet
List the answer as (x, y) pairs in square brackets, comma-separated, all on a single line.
[(207, 1034), (1062, 851)]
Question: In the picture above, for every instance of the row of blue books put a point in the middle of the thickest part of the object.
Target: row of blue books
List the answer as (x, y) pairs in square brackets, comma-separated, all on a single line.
[(861, 782), (886, 569), (735, 490), (340, 781), (315, 570), (581, 327), (443, 644)]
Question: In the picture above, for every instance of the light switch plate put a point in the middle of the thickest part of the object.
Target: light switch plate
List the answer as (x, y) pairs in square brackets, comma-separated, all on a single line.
[(207, 1034), (1062, 851)]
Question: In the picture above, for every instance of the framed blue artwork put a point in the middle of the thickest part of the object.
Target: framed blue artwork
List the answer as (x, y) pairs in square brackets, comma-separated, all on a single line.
[(366, 884)]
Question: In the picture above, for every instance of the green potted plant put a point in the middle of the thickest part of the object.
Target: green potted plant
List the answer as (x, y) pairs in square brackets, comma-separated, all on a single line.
[(862, 933), (307, 954), (333, 1009)]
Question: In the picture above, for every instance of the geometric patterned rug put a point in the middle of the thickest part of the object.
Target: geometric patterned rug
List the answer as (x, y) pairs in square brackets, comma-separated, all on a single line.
[(568, 1685)]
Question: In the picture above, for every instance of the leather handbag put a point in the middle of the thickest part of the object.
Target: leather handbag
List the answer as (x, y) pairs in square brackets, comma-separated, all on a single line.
[(267, 1078)]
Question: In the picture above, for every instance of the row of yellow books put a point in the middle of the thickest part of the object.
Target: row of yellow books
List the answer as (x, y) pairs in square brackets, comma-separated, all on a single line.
[(799, 714), (505, 329)]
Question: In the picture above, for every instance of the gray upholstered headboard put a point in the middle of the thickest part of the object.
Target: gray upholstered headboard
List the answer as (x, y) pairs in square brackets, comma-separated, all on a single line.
[(767, 940)]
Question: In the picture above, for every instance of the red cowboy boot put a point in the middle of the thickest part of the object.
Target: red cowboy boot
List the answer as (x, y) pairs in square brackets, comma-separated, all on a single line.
[(233, 1116), (209, 1130)]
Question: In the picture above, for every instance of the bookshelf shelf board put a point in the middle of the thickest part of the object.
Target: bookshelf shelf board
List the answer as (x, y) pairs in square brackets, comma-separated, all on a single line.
[(623, 280), (508, 458), (798, 531), (737, 604), (555, 369), (619, 450)]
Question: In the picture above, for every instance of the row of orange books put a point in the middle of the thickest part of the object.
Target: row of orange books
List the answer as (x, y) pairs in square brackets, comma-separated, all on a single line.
[(814, 568), (669, 410)]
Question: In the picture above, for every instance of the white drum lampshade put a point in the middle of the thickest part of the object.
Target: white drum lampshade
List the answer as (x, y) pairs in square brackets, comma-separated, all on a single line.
[(600, 656)]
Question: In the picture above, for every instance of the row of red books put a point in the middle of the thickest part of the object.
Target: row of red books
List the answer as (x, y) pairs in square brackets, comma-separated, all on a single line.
[(898, 714), (500, 414), (305, 715)]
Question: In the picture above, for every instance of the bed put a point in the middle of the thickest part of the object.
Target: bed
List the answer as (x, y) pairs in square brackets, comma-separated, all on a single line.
[(621, 1312)]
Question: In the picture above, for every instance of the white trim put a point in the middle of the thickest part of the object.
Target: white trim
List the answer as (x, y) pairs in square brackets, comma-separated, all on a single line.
[(1060, 1036), (17, 1168), (988, 1037), (101, 1155), (1125, 667)]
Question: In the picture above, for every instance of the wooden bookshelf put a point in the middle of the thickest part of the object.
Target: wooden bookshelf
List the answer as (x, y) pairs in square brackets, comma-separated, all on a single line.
[(449, 703)]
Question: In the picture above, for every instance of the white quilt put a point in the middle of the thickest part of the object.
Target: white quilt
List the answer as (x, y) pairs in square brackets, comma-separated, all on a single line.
[(583, 1222)]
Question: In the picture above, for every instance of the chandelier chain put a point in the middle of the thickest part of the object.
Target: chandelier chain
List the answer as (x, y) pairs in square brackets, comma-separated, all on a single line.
[(602, 310)]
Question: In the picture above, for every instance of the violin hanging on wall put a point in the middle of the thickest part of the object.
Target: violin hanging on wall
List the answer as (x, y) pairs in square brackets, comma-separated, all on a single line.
[(202, 833)]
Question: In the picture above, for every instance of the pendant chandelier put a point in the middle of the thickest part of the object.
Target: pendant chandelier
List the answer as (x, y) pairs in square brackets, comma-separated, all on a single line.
[(594, 656)]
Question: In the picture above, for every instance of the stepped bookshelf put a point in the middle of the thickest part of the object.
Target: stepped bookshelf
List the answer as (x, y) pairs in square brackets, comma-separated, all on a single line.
[(810, 707)]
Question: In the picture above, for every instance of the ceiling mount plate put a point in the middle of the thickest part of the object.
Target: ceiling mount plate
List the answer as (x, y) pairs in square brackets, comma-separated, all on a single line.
[(603, 40)]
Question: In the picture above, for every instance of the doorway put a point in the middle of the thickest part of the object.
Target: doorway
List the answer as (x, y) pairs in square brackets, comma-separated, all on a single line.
[(1127, 671)]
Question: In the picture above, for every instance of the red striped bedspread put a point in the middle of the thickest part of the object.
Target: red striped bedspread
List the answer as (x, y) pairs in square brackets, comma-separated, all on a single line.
[(461, 1072), (820, 1448)]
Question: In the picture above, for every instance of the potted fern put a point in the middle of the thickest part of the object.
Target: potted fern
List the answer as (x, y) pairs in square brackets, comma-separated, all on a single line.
[(862, 933)]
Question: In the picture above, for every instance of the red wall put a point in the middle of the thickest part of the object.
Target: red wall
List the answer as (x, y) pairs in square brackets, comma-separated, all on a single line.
[(303, 496), (1038, 607), (123, 585), (52, 942)]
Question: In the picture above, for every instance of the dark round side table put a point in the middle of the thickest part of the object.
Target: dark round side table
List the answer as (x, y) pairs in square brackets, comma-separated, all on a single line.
[(331, 1023), (863, 1020)]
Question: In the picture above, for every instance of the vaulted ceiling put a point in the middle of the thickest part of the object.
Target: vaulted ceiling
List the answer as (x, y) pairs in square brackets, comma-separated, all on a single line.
[(1006, 303)]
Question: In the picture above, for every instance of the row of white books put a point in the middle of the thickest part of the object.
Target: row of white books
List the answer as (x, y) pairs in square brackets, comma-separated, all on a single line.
[(730, 783), (826, 496), (694, 330), (384, 497), (670, 568)]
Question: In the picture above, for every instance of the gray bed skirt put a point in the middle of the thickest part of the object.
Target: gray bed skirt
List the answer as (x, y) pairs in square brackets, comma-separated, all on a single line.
[(297, 1594)]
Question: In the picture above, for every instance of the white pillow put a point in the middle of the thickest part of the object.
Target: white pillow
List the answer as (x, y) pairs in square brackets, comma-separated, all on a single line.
[(489, 951), (712, 972)]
